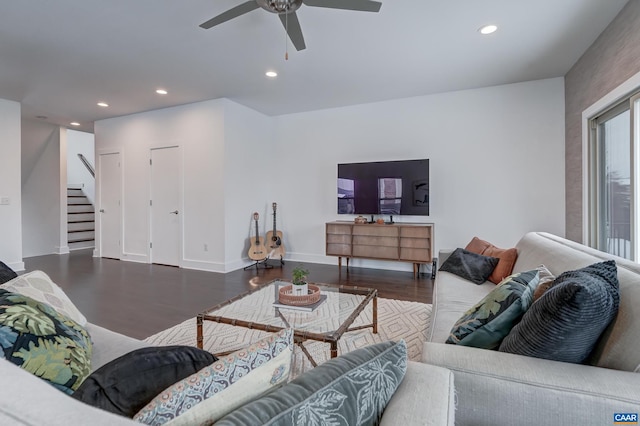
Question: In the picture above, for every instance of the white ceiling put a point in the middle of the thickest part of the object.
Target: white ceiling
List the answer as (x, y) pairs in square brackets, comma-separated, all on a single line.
[(59, 57)]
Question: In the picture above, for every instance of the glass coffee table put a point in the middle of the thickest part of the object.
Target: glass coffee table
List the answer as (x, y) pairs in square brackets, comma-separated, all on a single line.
[(327, 323)]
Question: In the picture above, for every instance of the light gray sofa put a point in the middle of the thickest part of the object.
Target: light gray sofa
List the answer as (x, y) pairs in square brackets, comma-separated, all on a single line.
[(425, 396), (495, 388)]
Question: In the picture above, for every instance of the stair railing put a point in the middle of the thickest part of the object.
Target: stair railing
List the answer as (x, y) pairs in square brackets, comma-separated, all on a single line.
[(87, 164)]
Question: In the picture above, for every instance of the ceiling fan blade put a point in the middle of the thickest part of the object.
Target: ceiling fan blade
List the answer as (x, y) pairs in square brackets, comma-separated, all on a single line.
[(293, 29), (360, 5), (230, 14)]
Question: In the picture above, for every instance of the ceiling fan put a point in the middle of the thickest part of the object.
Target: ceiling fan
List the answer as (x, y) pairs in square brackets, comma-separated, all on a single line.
[(286, 9)]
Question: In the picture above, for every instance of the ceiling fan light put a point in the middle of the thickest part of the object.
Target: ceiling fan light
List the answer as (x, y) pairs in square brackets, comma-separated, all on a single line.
[(488, 29)]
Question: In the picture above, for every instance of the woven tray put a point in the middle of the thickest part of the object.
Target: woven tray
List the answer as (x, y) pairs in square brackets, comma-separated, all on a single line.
[(286, 297)]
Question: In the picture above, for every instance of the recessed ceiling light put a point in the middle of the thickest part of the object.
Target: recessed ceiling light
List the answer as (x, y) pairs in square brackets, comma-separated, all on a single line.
[(41, 117), (271, 74), (161, 92), (74, 123), (488, 29), (103, 104)]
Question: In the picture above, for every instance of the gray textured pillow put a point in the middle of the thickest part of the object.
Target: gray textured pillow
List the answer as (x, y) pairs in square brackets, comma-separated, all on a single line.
[(352, 389), (470, 266), (566, 322), (6, 273)]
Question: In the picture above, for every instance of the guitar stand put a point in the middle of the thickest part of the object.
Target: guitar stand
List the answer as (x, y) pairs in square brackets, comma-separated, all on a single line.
[(281, 262), (262, 262)]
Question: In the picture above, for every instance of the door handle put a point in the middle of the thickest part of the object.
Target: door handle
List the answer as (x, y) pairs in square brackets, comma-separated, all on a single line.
[(101, 210), (174, 212)]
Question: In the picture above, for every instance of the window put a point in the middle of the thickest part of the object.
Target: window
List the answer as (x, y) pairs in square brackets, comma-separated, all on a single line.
[(346, 195), (389, 195), (612, 171)]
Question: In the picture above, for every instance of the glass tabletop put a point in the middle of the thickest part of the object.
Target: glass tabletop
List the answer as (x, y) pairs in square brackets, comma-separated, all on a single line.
[(331, 318)]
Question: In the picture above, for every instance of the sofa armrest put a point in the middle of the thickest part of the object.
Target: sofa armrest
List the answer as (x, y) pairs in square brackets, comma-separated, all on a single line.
[(28, 400), (425, 397), (495, 388)]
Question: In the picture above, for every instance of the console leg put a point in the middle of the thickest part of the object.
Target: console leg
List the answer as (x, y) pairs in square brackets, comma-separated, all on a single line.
[(340, 262)]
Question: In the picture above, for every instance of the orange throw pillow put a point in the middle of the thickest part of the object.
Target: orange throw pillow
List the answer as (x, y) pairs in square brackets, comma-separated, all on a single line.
[(507, 258)]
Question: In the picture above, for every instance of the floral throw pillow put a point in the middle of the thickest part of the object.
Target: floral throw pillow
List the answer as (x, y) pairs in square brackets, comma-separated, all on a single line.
[(491, 319), (40, 340)]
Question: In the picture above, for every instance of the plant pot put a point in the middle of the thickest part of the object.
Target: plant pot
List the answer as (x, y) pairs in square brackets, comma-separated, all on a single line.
[(300, 290)]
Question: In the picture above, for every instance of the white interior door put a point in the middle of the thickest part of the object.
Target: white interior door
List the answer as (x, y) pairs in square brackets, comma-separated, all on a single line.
[(109, 205), (166, 216)]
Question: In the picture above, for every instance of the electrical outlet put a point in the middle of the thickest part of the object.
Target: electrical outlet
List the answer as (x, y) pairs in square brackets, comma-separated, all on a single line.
[(5, 201), (206, 247)]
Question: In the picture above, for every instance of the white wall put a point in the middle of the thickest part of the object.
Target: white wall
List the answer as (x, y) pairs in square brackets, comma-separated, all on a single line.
[(497, 168), (250, 168), (77, 173), (10, 215), (496, 163), (43, 162), (215, 194)]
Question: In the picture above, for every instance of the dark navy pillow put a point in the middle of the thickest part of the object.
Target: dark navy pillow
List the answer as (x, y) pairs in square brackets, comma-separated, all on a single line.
[(6, 273), (470, 266), (126, 384), (567, 321)]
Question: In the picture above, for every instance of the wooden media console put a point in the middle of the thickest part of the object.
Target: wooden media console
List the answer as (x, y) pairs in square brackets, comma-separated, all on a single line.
[(404, 242)]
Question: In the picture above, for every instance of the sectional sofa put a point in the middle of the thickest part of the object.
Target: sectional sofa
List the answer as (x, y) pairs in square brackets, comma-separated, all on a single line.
[(424, 397), (496, 388)]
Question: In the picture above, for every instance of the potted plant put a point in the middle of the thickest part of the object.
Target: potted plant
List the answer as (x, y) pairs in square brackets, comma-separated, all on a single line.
[(299, 280)]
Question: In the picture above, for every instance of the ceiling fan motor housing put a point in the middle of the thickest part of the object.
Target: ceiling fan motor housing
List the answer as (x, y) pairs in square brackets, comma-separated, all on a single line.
[(280, 6)]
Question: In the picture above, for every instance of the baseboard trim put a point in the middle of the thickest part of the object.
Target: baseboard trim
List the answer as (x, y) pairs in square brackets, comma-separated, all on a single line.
[(200, 265), (353, 262), (16, 266), (61, 250), (135, 257)]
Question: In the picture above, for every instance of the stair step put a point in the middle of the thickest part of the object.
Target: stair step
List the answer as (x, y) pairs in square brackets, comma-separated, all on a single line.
[(83, 208), (78, 201), (74, 236), (81, 226), (80, 217), (81, 244)]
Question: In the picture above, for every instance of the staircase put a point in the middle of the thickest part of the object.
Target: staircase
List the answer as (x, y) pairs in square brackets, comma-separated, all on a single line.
[(80, 220)]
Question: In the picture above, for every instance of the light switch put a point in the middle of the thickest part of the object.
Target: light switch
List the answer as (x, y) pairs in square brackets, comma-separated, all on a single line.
[(5, 201)]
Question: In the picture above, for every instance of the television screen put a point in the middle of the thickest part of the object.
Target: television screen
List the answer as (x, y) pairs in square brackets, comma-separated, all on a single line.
[(384, 187)]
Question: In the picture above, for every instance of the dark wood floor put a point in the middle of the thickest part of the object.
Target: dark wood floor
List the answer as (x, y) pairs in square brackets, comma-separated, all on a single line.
[(140, 299)]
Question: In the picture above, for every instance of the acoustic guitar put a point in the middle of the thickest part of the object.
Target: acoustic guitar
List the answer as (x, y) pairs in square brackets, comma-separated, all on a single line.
[(257, 251), (273, 240)]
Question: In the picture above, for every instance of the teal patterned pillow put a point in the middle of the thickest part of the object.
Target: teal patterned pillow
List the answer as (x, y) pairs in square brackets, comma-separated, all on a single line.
[(491, 319), (40, 340), (352, 389), (223, 386)]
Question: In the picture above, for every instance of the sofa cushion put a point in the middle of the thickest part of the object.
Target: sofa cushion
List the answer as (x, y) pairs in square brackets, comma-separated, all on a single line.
[(566, 322), (491, 319), (6, 273), (37, 285), (470, 266), (352, 389), (40, 340), (507, 258), (225, 385), (128, 383), (546, 281)]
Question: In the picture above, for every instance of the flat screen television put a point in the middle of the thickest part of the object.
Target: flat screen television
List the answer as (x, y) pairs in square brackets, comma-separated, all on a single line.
[(384, 187)]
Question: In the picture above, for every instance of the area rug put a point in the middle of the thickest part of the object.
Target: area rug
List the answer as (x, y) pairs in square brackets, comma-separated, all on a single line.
[(396, 320)]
